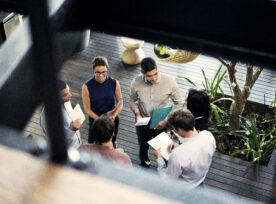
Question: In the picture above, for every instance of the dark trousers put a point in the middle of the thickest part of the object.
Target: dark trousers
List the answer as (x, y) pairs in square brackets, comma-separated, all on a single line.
[(91, 137), (144, 135)]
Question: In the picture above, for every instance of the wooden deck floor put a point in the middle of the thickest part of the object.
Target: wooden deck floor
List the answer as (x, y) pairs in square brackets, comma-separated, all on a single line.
[(226, 173)]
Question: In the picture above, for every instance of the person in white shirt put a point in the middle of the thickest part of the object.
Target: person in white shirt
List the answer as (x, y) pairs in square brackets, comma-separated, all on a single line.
[(71, 127), (191, 160)]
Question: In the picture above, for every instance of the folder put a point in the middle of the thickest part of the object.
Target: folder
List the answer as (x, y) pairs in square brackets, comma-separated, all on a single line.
[(159, 114)]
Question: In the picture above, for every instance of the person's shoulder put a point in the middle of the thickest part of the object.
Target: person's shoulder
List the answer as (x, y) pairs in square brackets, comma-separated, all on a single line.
[(206, 134), (124, 156), (89, 80), (166, 77), (120, 152), (137, 79), (89, 147)]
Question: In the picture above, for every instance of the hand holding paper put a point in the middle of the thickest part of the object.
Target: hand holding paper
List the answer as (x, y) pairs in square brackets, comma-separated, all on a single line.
[(142, 121), (112, 112), (77, 114), (162, 141)]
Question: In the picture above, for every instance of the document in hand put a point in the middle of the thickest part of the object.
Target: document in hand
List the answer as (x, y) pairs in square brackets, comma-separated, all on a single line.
[(112, 112), (159, 114), (162, 141), (77, 114), (142, 121)]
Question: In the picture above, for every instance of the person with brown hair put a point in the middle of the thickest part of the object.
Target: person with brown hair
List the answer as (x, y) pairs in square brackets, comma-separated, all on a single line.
[(99, 94), (190, 161), (103, 130)]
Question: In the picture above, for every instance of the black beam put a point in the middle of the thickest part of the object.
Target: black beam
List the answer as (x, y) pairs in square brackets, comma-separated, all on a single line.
[(241, 30), (16, 6), (45, 64), (23, 84)]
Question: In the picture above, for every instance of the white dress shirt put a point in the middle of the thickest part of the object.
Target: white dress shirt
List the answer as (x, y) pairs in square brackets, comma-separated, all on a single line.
[(73, 137), (191, 160)]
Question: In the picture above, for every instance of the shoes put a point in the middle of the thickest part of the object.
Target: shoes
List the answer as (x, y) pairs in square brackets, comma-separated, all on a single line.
[(145, 163)]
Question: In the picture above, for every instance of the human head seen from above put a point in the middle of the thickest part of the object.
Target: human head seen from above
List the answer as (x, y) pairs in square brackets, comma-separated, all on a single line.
[(149, 70)]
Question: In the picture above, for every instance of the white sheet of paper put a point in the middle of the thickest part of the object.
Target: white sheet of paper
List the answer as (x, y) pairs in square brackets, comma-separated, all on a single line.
[(161, 141), (143, 121), (77, 114), (68, 107)]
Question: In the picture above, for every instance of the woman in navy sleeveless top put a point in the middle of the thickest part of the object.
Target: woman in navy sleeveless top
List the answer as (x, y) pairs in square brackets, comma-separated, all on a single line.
[(99, 94)]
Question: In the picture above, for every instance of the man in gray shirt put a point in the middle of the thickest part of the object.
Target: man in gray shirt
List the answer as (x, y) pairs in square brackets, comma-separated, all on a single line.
[(151, 89)]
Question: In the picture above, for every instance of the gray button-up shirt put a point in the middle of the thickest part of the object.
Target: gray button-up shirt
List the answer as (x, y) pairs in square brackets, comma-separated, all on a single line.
[(144, 96)]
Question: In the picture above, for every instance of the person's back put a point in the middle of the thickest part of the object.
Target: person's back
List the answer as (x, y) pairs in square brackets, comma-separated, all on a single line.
[(103, 129), (190, 161), (194, 157), (108, 152)]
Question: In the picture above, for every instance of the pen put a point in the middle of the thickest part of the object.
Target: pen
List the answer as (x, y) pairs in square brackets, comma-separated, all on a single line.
[(171, 147)]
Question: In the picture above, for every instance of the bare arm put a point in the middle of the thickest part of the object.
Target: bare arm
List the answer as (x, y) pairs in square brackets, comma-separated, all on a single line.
[(133, 106), (86, 103), (119, 99)]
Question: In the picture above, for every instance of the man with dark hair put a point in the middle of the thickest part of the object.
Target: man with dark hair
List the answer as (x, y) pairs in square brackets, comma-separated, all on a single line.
[(191, 160), (71, 127), (103, 129), (151, 89)]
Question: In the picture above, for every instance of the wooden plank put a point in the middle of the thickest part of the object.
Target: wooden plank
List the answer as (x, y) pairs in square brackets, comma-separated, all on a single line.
[(244, 182), (229, 188), (226, 172), (38, 181), (241, 188), (234, 171)]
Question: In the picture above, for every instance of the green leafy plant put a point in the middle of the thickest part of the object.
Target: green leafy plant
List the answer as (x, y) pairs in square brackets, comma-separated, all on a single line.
[(163, 51), (258, 145), (212, 87)]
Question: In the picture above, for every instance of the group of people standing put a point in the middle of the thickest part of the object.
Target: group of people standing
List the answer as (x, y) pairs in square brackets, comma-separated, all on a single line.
[(103, 101)]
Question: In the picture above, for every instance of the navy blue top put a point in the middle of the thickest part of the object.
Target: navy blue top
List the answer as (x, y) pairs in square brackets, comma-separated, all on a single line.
[(102, 95)]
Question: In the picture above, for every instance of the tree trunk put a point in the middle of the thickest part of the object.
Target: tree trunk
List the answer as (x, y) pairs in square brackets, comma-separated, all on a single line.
[(236, 110), (240, 96)]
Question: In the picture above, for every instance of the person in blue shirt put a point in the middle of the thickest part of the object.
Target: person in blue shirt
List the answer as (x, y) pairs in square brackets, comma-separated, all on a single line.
[(99, 94)]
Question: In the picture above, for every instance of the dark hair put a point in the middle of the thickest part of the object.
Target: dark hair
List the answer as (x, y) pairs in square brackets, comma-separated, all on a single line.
[(61, 85), (102, 129), (148, 64), (198, 103), (182, 118), (99, 61)]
